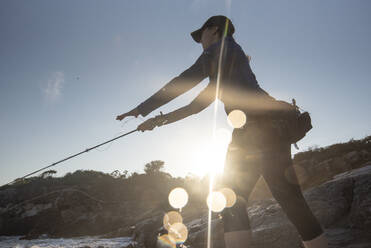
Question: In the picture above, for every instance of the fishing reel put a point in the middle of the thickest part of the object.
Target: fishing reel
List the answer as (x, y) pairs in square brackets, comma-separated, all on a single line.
[(150, 124), (160, 120)]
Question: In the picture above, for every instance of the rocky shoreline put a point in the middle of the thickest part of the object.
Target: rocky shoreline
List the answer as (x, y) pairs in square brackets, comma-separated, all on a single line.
[(343, 206), (337, 189)]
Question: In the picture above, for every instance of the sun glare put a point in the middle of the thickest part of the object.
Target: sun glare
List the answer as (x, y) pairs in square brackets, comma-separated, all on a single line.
[(210, 158)]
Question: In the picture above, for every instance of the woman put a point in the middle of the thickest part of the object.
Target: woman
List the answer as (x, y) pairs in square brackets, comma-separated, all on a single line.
[(257, 148)]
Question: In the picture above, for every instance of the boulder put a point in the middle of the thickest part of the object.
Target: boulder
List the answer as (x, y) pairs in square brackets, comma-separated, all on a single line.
[(342, 205)]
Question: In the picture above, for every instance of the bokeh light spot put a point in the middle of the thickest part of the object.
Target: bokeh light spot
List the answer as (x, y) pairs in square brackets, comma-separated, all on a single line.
[(216, 201), (171, 218), (230, 196), (178, 232), (178, 198), (237, 118)]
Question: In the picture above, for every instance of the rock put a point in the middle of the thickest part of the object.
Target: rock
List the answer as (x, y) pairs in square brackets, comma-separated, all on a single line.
[(330, 201), (66, 214), (198, 239), (308, 164), (342, 205), (352, 157), (276, 236), (364, 171), (324, 166), (340, 165), (360, 214), (146, 231), (121, 232), (34, 209), (129, 246), (6, 196), (365, 155)]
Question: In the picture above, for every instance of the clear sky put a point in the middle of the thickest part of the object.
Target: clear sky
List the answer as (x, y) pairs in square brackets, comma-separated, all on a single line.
[(67, 68)]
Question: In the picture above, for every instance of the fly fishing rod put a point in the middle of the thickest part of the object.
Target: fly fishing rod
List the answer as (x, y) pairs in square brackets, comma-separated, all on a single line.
[(72, 156)]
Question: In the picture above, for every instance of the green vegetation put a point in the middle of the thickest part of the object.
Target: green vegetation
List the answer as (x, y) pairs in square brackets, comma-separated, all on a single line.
[(152, 187), (143, 191), (319, 154)]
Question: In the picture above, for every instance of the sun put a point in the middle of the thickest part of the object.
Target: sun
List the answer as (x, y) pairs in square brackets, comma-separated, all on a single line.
[(211, 157)]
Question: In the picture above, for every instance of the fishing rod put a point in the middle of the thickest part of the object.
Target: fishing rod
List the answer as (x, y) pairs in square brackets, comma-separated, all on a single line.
[(72, 156)]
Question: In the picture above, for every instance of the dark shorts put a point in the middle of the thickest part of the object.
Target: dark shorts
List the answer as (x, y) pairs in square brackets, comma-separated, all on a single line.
[(259, 149)]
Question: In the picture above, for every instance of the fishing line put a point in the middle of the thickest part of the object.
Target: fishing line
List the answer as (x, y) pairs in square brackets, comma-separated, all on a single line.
[(72, 156), (119, 133)]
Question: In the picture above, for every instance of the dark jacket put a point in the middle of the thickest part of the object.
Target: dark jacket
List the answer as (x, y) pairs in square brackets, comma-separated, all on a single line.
[(231, 80)]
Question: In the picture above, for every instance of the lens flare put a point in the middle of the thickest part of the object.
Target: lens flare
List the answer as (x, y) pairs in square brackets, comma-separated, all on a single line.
[(178, 198), (230, 196), (210, 157), (171, 218), (216, 201), (237, 118), (166, 241), (178, 232), (223, 136), (214, 135)]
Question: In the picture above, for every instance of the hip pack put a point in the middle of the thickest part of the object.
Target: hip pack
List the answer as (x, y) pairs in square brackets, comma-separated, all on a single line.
[(297, 123)]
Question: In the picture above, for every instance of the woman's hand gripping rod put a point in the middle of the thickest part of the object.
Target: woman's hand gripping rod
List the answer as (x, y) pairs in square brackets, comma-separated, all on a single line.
[(151, 123)]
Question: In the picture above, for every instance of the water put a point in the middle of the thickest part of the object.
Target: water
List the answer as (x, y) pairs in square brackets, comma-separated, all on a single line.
[(93, 242)]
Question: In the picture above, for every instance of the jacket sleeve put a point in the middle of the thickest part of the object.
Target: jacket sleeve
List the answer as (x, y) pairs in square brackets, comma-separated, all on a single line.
[(203, 100), (178, 85)]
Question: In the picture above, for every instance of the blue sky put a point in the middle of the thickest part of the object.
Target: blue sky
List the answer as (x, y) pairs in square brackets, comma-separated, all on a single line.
[(67, 68)]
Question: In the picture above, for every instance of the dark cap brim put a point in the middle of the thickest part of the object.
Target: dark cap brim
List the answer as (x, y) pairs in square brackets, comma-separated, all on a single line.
[(196, 35)]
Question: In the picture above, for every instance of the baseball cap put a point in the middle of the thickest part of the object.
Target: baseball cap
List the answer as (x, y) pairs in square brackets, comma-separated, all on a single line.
[(219, 21)]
